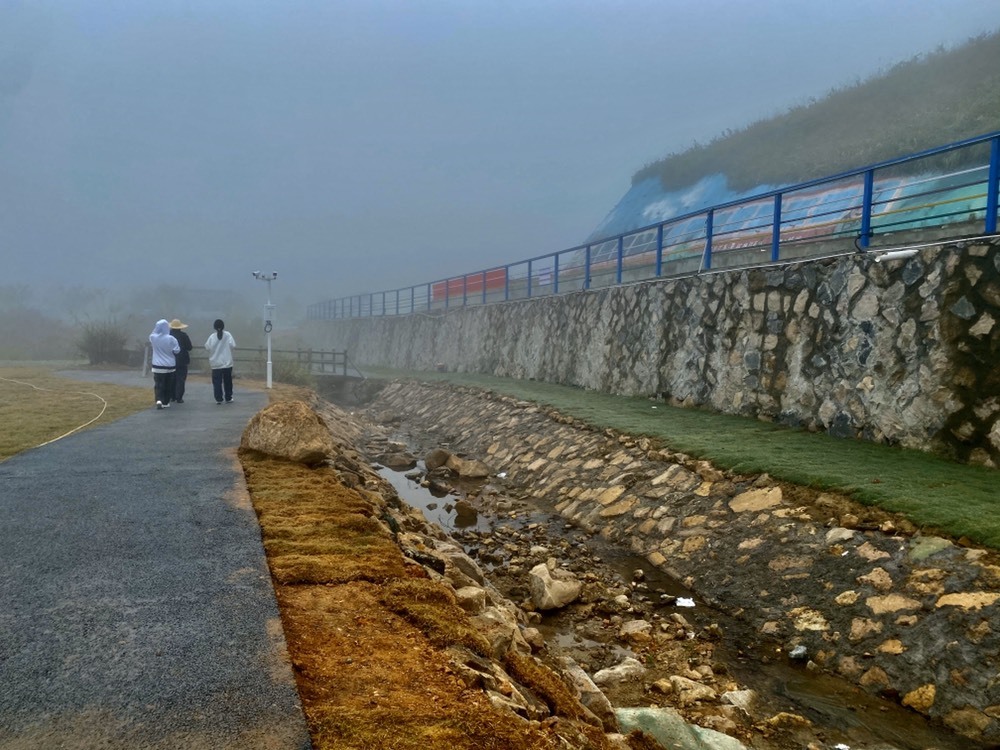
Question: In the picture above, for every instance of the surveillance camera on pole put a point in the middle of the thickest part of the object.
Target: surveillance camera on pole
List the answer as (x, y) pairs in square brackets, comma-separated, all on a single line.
[(268, 315)]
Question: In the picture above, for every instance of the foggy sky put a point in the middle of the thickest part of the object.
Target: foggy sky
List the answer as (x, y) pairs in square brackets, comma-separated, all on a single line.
[(361, 145)]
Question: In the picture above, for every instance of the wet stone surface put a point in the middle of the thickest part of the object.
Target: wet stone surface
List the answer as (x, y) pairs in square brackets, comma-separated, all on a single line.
[(744, 671)]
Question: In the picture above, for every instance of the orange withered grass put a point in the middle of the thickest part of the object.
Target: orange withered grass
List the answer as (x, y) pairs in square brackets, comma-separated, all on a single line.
[(366, 630)]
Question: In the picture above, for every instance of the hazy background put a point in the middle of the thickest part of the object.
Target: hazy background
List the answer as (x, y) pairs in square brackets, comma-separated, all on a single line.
[(364, 145)]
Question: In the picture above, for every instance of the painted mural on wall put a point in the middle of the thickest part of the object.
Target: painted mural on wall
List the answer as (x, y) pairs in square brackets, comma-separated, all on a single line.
[(828, 210)]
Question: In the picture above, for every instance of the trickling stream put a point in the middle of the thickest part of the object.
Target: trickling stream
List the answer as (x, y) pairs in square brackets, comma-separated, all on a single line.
[(842, 714)]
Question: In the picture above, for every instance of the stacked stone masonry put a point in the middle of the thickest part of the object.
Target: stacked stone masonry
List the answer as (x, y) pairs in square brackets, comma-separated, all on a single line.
[(900, 352), (907, 616)]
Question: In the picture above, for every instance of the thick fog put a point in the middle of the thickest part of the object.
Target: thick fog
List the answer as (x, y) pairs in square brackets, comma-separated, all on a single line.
[(361, 145)]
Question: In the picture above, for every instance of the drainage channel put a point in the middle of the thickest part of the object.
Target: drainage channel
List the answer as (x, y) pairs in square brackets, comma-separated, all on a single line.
[(844, 715)]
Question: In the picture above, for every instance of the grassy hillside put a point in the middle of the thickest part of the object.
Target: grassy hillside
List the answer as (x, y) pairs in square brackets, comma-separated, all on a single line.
[(925, 102)]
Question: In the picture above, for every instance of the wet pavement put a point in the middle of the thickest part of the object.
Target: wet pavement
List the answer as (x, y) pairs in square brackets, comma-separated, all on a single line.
[(136, 608)]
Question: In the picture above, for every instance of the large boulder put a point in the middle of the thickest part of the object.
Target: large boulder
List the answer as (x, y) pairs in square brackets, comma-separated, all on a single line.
[(552, 587), (436, 458), (625, 670), (591, 696), (467, 468), (670, 729), (290, 430)]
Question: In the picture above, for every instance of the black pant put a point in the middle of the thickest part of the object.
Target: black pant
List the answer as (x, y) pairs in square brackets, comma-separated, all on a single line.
[(163, 386), (222, 383), (180, 380)]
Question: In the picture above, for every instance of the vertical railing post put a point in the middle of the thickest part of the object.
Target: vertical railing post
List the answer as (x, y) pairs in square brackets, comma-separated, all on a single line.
[(447, 293), (506, 283), (555, 274), (413, 299), (484, 287), (776, 230), (993, 186), (586, 269), (371, 305), (397, 302), (529, 279), (659, 251), (621, 254), (866, 209), (709, 228), (465, 290)]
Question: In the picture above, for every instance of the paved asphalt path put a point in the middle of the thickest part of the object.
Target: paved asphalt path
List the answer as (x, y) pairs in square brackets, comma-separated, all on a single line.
[(136, 609)]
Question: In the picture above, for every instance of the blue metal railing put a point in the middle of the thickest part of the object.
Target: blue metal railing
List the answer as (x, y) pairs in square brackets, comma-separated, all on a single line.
[(873, 203)]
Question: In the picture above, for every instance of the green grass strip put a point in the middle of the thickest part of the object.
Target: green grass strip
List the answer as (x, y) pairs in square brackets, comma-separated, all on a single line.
[(939, 495)]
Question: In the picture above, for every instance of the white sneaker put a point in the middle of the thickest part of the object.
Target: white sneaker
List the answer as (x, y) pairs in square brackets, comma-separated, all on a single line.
[(166, 406), (159, 404)]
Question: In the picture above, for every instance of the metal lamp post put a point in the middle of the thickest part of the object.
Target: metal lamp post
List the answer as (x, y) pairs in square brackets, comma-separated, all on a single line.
[(268, 315)]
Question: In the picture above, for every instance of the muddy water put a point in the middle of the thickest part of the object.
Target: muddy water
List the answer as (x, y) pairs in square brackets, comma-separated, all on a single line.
[(843, 715)]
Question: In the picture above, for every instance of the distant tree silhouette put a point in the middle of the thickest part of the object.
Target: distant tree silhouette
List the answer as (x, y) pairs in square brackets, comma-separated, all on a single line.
[(103, 342)]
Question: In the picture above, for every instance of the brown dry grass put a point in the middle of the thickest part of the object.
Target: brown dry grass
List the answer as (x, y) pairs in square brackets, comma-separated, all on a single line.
[(37, 405), (549, 688), (366, 630)]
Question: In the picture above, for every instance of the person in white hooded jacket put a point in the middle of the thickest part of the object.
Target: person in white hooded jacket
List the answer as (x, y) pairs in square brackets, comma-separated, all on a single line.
[(220, 347), (164, 362)]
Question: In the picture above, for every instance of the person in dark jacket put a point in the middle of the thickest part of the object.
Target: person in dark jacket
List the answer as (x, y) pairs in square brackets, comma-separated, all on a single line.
[(183, 358)]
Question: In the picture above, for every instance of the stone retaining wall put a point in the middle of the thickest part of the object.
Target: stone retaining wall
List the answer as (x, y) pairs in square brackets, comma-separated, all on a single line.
[(856, 591), (902, 352)]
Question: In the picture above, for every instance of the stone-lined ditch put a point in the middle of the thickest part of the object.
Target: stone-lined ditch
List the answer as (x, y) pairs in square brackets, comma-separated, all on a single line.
[(856, 595)]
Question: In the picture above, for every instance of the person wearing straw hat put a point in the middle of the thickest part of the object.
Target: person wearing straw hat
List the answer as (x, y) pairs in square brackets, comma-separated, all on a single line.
[(183, 358)]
